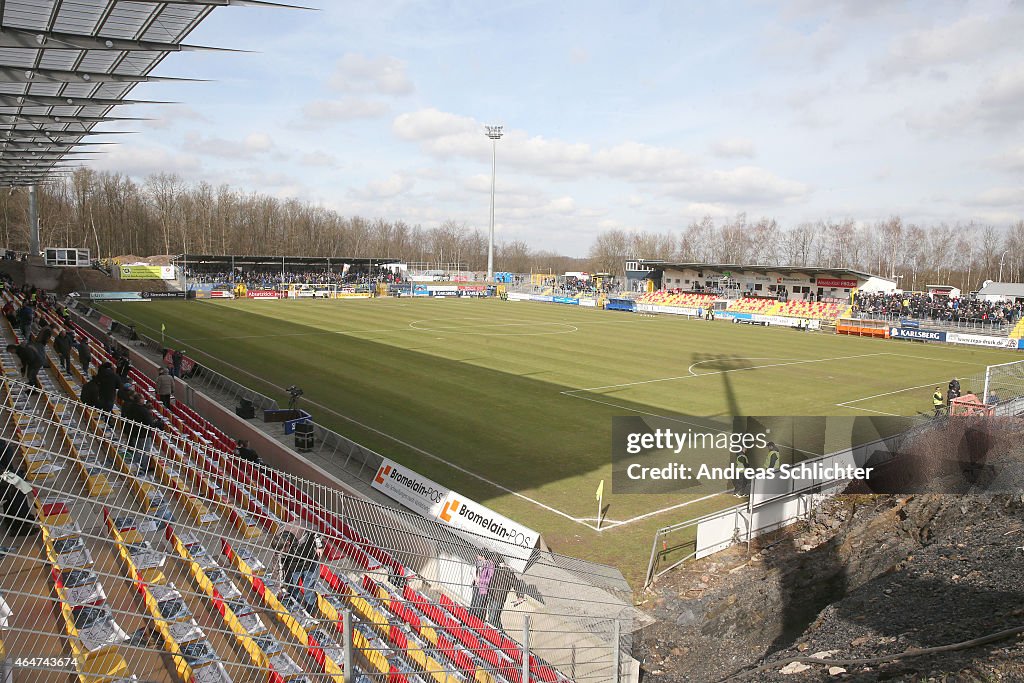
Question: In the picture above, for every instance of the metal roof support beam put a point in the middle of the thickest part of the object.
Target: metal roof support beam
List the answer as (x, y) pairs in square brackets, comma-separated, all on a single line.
[(225, 3), (23, 133), (11, 73), (31, 100), (55, 40), (72, 119)]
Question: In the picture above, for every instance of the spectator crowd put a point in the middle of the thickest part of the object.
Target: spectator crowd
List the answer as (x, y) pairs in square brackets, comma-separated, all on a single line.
[(939, 308), (253, 279)]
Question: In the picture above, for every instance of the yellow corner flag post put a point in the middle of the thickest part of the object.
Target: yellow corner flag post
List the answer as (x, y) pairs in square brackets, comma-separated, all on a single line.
[(163, 328), (600, 499)]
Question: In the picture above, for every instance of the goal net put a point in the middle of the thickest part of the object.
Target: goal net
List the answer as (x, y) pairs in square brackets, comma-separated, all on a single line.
[(1004, 387)]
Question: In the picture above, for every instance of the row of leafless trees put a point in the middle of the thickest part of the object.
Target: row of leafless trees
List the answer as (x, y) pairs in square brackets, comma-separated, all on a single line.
[(963, 255), (114, 215)]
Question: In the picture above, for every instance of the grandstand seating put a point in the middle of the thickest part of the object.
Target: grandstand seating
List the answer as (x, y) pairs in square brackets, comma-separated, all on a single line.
[(754, 305), (192, 484), (684, 299), (813, 310)]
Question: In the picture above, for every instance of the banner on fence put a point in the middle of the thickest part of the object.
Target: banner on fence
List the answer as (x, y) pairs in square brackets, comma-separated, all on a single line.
[(146, 272), (571, 300), (222, 294), (832, 282), (163, 295), (512, 540), (918, 334), (981, 340), (262, 294), (672, 310), (106, 322)]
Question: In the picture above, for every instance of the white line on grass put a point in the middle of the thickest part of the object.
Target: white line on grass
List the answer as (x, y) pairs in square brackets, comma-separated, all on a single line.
[(615, 524), (719, 372), (847, 404), (395, 439)]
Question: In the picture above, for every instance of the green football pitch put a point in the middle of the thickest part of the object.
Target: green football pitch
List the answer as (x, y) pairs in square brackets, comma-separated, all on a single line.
[(512, 402)]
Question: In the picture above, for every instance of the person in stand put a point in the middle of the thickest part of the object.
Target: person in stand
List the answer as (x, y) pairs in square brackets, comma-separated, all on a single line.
[(299, 566), (124, 365), (772, 460), (31, 361), (176, 360), (481, 586), (954, 389), (109, 383), (26, 314), (62, 344), (244, 451), (84, 355), (10, 313), (141, 420), (164, 387), (42, 337), (938, 402), (90, 395), (503, 582), (15, 505)]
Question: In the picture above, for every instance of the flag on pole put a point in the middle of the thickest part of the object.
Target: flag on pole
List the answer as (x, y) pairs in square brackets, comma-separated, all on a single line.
[(163, 328), (600, 490)]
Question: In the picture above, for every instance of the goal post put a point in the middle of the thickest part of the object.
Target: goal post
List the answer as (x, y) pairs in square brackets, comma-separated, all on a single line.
[(1004, 385)]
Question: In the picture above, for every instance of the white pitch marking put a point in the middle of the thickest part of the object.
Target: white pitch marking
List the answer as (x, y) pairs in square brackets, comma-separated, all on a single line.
[(720, 372), (653, 513)]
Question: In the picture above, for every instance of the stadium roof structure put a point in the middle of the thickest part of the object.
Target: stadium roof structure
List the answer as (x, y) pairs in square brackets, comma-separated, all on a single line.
[(229, 260), (66, 64), (658, 264), (1007, 289)]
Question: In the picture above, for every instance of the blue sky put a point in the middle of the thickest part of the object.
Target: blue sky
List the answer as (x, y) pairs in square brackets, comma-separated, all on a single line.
[(642, 116)]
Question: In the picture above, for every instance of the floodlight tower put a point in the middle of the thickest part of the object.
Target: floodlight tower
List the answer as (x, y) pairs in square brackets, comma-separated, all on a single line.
[(494, 133)]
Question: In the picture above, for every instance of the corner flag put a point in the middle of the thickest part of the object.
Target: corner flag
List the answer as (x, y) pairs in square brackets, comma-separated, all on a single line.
[(600, 490)]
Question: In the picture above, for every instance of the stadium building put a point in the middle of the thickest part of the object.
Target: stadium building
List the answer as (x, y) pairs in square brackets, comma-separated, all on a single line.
[(732, 280)]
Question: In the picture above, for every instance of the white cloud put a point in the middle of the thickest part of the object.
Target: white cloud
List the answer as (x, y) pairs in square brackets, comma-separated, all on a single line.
[(170, 115), (449, 135), (361, 74), (397, 184), (966, 40), (252, 145), (701, 209), (141, 160), (579, 55), (741, 185), (431, 125), (346, 109), (733, 148), (997, 104), (1012, 161), (318, 158), (998, 197)]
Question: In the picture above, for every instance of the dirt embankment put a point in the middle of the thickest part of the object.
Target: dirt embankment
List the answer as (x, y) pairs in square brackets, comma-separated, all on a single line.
[(867, 577)]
